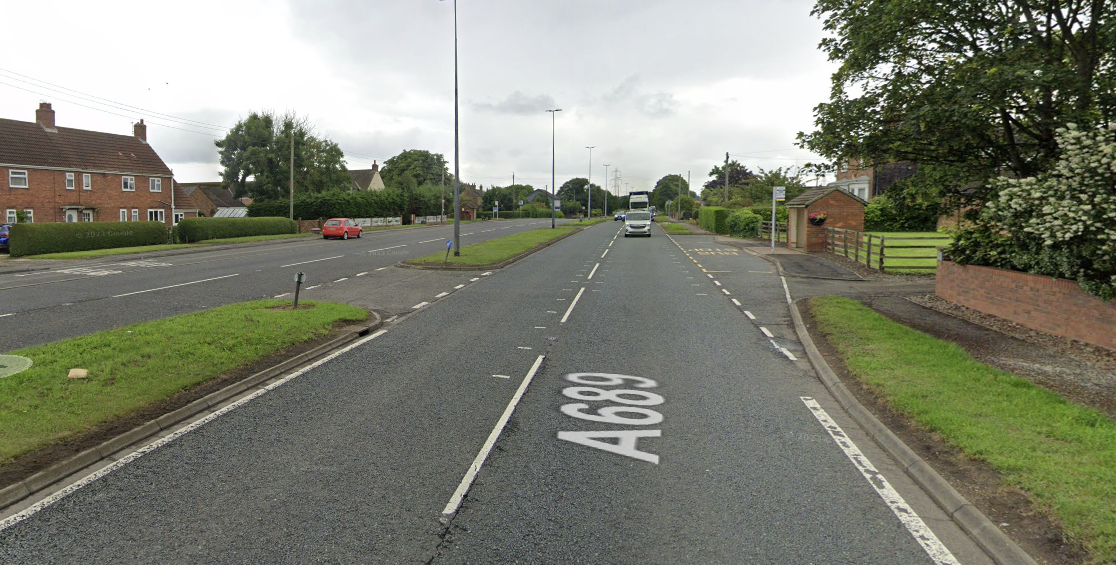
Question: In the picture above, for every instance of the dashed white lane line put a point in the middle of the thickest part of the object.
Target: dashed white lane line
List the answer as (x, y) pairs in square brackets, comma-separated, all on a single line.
[(6, 315), (386, 248), (605, 253), (788, 354), (736, 302), (311, 261), (593, 272), (702, 294), (459, 287), (151, 447), (718, 283), (540, 327), (572, 304), (440, 295), (361, 274), (312, 287), (174, 286), (551, 311), (502, 376), (467, 481), (725, 290), (429, 240), (922, 534), (341, 279), (523, 347), (749, 315), (276, 296), (710, 276), (474, 279), (486, 274), (766, 332), (381, 268), (419, 305)]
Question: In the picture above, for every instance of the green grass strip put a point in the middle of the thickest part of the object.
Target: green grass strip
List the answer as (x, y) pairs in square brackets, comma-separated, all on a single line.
[(496, 250), (676, 229), (138, 365), (584, 223), (1062, 454)]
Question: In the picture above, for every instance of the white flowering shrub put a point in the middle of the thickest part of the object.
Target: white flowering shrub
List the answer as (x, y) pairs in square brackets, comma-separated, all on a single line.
[(1061, 223)]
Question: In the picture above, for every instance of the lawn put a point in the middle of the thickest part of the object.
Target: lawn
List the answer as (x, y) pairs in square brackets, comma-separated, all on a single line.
[(138, 365), (496, 250), (1062, 454)]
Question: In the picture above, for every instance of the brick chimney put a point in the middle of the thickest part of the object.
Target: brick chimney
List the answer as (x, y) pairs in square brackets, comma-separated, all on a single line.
[(44, 116), (375, 167), (140, 131)]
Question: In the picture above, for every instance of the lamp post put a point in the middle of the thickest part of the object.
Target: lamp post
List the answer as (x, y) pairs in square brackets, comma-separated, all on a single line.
[(589, 182), (456, 149), (607, 193), (553, 213)]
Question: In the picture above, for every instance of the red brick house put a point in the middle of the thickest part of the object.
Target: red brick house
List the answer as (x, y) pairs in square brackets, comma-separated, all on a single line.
[(841, 210), (57, 174), (866, 181), (213, 201)]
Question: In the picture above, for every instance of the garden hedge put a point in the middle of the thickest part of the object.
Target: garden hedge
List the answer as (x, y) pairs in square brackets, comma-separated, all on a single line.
[(744, 223), (714, 219), (201, 229), (37, 239)]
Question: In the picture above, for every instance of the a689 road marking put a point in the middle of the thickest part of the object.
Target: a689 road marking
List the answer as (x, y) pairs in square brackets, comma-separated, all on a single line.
[(631, 412)]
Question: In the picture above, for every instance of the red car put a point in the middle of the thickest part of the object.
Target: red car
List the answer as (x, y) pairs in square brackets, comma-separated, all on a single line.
[(343, 228)]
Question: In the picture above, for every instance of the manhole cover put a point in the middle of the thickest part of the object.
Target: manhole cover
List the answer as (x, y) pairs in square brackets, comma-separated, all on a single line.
[(12, 364)]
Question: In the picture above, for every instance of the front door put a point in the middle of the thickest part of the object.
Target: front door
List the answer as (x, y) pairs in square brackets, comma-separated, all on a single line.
[(71, 216)]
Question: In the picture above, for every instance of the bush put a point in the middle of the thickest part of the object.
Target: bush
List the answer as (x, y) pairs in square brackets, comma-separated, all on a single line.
[(387, 203), (744, 223), (901, 212), (37, 239), (714, 219), (782, 215), (201, 229)]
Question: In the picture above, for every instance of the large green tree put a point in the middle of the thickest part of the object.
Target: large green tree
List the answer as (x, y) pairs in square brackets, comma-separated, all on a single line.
[(256, 157), (574, 190), (669, 188), (974, 87), (423, 166)]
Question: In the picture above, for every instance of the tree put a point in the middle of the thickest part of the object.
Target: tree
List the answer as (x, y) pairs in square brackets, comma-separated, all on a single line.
[(669, 188), (976, 87), (738, 175), (256, 156), (574, 190), (760, 187), (423, 166)]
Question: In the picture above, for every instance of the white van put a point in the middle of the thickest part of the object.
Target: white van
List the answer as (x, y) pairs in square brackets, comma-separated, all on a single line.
[(637, 222)]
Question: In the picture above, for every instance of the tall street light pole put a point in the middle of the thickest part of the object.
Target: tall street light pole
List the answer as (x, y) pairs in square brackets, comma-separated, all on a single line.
[(606, 191), (553, 213), (589, 182), (456, 149)]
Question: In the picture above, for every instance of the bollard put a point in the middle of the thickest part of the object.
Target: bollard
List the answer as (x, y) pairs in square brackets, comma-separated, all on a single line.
[(300, 277)]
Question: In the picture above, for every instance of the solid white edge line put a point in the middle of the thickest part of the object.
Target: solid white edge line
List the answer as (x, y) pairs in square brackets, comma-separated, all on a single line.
[(572, 304), (174, 286), (917, 528), (594, 271), (786, 290), (119, 463), (467, 481), (314, 261), (276, 296)]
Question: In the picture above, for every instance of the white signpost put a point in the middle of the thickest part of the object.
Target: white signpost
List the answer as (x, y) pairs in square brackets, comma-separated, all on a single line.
[(777, 195)]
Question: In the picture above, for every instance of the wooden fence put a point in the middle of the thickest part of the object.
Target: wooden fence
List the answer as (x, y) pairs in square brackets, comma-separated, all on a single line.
[(780, 229), (894, 253)]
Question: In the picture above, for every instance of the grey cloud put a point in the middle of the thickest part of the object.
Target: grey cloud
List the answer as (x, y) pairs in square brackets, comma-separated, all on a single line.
[(521, 104)]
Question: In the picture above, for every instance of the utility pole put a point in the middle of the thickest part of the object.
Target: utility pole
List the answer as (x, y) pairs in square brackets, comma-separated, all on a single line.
[(515, 193), (589, 183), (726, 180), (443, 167), (292, 173), (607, 191), (456, 148)]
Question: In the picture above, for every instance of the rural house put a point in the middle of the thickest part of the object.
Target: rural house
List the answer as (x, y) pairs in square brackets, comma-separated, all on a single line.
[(367, 179), (58, 174)]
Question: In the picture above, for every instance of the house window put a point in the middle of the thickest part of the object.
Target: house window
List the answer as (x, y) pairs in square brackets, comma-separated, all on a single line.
[(87, 181), (17, 179), (69, 181), (123, 214), (12, 217), (128, 184), (135, 214), (155, 184), (30, 215), (156, 215), (87, 215), (178, 217)]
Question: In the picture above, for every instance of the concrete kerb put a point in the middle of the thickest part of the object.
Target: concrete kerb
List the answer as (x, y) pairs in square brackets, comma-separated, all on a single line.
[(500, 265), (972, 521), (16, 492)]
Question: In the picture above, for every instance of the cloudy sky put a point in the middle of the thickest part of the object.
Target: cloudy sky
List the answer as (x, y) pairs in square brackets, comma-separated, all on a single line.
[(658, 86)]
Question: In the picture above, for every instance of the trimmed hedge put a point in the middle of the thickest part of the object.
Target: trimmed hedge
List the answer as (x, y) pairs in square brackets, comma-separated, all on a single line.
[(191, 230), (714, 219), (37, 239), (744, 223)]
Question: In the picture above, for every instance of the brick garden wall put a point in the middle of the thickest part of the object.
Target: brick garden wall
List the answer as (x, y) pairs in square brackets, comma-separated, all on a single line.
[(1046, 304)]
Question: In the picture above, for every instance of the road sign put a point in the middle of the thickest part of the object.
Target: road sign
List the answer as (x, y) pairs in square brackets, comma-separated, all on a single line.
[(780, 193)]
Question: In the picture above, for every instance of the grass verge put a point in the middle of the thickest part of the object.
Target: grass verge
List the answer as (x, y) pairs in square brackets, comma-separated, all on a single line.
[(1063, 455), (495, 250), (675, 229), (95, 253), (138, 365), (591, 222)]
